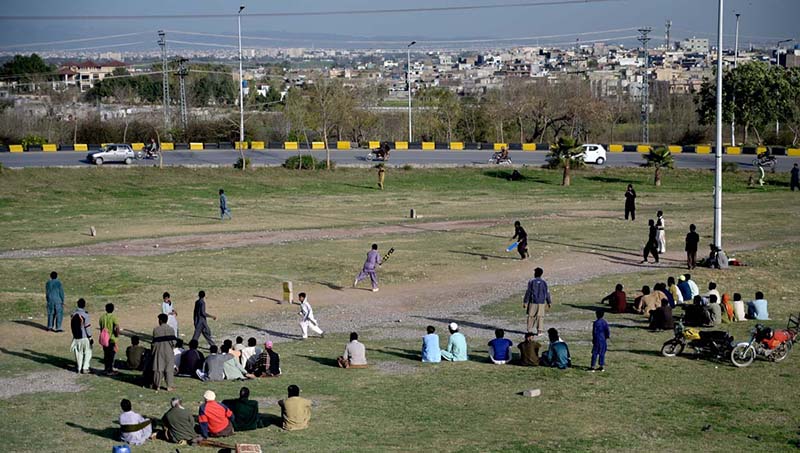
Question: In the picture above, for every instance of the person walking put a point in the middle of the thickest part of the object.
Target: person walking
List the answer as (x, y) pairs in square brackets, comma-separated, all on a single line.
[(82, 342), (162, 355), (381, 175), (661, 238), (536, 296), (651, 247), (109, 324), (794, 180), (600, 336), (54, 294), (307, 320), (692, 239), (200, 317), (169, 309), (630, 202), (223, 206), (522, 240), (370, 266)]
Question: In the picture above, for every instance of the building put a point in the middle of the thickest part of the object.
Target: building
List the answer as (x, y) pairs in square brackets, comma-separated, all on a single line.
[(695, 45), (85, 74)]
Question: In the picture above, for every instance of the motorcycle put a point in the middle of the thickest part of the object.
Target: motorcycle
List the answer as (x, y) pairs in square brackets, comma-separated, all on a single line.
[(767, 343), (716, 344), (147, 153), (765, 160), (379, 154), (498, 159)]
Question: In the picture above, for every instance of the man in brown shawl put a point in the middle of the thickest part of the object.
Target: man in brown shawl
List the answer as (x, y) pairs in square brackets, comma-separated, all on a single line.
[(163, 356)]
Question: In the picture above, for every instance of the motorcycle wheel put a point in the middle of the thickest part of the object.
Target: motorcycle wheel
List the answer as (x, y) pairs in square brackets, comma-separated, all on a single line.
[(743, 355), (370, 156), (782, 351), (672, 348)]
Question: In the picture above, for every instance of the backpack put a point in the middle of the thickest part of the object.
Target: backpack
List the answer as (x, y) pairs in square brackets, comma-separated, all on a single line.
[(76, 325), (105, 338)]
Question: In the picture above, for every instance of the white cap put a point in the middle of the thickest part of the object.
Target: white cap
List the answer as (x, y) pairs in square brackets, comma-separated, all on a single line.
[(209, 395), (453, 326)]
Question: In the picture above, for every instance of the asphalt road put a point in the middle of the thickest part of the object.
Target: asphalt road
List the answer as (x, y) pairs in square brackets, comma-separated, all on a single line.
[(356, 157)]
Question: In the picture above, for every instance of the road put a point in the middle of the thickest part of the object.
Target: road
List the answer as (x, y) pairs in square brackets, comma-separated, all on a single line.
[(356, 157)]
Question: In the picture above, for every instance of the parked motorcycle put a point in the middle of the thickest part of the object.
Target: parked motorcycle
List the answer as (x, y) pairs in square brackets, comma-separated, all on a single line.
[(716, 344), (767, 343)]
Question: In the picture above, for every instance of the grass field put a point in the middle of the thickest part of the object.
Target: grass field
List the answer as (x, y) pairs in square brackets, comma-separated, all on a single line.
[(644, 402)]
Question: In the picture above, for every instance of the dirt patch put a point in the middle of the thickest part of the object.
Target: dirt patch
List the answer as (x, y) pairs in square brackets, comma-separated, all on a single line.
[(60, 381), (216, 241)]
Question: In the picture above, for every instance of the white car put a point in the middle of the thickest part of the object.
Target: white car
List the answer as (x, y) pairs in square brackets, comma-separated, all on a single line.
[(112, 153), (594, 154)]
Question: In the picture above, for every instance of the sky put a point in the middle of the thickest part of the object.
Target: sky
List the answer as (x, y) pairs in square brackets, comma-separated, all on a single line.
[(762, 21)]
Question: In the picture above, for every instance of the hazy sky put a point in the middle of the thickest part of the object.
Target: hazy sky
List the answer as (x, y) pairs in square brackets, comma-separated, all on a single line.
[(762, 21)]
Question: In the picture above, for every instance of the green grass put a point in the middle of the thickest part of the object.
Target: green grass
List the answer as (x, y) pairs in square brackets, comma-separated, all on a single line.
[(644, 402)]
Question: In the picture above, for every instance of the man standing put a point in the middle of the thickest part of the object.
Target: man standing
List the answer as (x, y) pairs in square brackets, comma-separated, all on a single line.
[(600, 336), (163, 357), (81, 337), (536, 296), (456, 346), (794, 181), (307, 320), (381, 175), (179, 423), (54, 293), (201, 319), (223, 206), (692, 239), (661, 238), (522, 240), (110, 324), (651, 247), (630, 202), (370, 266)]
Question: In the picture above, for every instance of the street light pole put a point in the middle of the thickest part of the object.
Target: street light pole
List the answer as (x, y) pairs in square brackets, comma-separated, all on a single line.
[(241, 89), (718, 156), (408, 82), (778, 63), (735, 65)]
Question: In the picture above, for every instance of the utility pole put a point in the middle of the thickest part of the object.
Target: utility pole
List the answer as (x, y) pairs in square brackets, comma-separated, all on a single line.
[(241, 89), (162, 42), (408, 82), (183, 71), (735, 65), (718, 154), (667, 45), (645, 85)]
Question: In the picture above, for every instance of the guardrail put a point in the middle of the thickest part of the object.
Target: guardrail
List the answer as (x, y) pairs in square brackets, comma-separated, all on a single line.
[(401, 146)]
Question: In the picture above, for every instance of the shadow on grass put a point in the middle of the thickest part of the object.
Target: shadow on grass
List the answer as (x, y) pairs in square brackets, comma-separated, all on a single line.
[(268, 298), (107, 433), (465, 323), (506, 175), (268, 420), (33, 324), (484, 255), (132, 333), (610, 179), (593, 308), (408, 354), (332, 286), (358, 186), (200, 217), (273, 333), (651, 353), (42, 358), (327, 361)]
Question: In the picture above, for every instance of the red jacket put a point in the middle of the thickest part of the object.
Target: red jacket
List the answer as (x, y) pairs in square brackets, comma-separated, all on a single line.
[(214, 417)]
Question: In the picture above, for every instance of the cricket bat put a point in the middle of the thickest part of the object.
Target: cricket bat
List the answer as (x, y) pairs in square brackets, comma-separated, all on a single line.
[(388, 254), (512, 246)]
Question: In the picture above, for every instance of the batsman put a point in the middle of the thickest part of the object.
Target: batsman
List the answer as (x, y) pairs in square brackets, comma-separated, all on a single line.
[(370, 266)]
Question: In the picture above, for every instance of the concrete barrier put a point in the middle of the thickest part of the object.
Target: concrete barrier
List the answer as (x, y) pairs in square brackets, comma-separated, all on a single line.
[(137, 146), (794, 152), (240, 145), (675, 149), (15, 148), (529, 146), (702, 149), (342, 145), (615, 148), (428, 146), (317, 145), (50, 147), (195, 146), (256, 145), (291, 145), (167, 146), (733, 150), (374, 145), (499, 146), (456, 146), (643, 148), (81, 147), (401, 145)]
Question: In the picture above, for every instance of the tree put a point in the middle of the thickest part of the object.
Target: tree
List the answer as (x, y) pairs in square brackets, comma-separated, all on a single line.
[(26, 70), (323, 108), (567, 154), (658, 158)]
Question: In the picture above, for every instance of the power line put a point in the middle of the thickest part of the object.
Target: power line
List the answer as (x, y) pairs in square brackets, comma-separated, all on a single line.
[(307, 13), (65, 41)]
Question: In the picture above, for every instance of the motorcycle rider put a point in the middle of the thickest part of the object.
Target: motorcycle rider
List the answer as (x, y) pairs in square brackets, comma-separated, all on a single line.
[(151, 148)]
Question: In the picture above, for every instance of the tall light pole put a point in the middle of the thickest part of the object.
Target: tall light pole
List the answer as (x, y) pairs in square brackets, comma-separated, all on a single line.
[(778, 63), (241, 89), (735, 65), (718, 160), (408, 82)]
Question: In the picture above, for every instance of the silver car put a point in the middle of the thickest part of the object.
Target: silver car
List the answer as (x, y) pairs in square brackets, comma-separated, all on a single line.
[(113, 152)]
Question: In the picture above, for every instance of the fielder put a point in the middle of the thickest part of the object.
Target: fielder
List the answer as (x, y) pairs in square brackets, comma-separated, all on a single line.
[(307, 320)]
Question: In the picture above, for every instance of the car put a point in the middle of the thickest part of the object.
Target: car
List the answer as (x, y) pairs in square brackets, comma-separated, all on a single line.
[(594, 154), (112, 152)]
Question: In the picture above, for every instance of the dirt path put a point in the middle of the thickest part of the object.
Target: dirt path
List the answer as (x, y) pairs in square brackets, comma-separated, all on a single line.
[(215, 241)]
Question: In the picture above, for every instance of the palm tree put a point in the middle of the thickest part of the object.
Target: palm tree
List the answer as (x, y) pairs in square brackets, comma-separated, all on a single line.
[(659, 158), (566, 153)]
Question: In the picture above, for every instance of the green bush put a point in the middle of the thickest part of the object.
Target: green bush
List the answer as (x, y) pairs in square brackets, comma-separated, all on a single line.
[(304, 162), (32, 140), (238, 163)]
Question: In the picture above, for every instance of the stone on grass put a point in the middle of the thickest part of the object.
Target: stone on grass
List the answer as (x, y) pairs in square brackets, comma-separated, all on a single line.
[(92, 231), (532, 393)]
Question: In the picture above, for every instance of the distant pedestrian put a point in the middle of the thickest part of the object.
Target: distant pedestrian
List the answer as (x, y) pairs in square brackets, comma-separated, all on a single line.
[(661, 237), (82, 341), (651, 247), (307, 319), (370, 266), (201, 319), (381, 175), (54, 293), (692, 239), (109, 336), (536, 296), (630, 202), (522, 238), (794, 180), (600, 336), (224, 210)]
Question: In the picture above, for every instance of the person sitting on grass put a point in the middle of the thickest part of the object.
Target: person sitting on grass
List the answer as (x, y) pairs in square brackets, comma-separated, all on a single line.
[(191, 361), (738, 308), (618, 300), (757, 308), (714, 310), (557, 354), (233, 370), (661, 318), (177, 351), (431, 353), (456, 346), (245, 411), (529, 350), (215, 418), (268, 363), (179, 425), (134, 429), (214, 366), (135, 354), (355, 355), (249, 354), (295, 410), (500, 348), (677, 295)]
